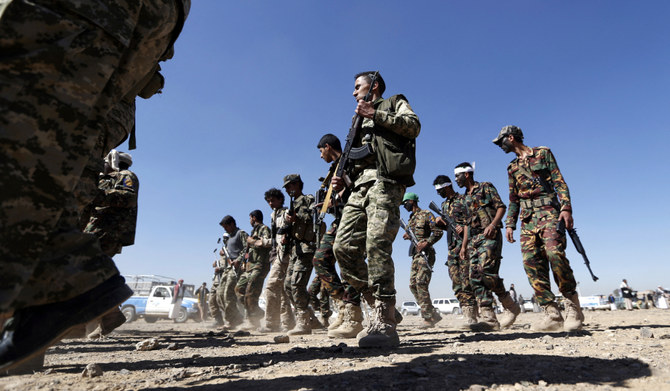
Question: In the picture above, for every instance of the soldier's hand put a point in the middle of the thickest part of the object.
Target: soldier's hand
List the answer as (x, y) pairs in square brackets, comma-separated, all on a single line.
[(250, 240), (459, 229), (421, 245), (509, 234), (566, 216), (246, 256), (440, 222), (463, 253), (405, 236), (338, 183), (490, 231), (290, 218), (221, 252), (365, 109)]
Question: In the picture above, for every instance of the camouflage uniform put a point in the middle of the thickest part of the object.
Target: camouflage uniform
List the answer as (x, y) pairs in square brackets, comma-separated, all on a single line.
[(70, 61), (459, 269), (226, 294), (319, 298), (114, 216), (484, 253), (542, 244), (250, 283), (300, 248), (371, 217), (422, 223), (215, 308), (324, 267), (277, 303)]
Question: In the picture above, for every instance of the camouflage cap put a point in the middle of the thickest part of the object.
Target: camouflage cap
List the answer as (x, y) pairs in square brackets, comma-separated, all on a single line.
[(410, 196), (505, 131), (291, 178)]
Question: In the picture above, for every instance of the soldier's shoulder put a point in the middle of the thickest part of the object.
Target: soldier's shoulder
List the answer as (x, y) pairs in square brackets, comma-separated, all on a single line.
[(394, 99)]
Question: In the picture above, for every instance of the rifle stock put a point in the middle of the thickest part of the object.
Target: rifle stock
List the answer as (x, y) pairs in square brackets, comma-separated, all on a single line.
[(415, 241)]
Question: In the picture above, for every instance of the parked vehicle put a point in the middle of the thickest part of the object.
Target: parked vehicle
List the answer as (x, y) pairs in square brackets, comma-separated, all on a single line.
[(447, 306), (410, 308), (597, 302), (527, 305), (153, 299)]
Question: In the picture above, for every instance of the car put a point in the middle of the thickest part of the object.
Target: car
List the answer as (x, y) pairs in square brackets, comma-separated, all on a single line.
[(527, 305), (410, 308), (447, 306)]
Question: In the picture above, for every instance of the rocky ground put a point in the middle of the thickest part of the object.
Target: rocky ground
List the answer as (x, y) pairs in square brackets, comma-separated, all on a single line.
[(617, 349)]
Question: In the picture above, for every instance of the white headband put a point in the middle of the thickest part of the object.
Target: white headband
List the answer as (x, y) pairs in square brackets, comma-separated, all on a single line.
[(461, 170), (114, 157), (442, 185)]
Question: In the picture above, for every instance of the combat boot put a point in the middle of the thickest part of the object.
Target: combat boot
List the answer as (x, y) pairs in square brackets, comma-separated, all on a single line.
[(340, 315), (552, 319), (352, 323), (314, 323), (470, 317), (512, 310), (573, 313), (302, 323), (370, 299), (428, 323), (487, 321), (217, 322), (382, 330)]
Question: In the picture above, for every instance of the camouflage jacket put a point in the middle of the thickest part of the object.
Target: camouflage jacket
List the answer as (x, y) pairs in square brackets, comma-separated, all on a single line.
[(456, 208), (259, 255), (278, 220), (115, 212), (422, 223), (482, 204), (527, 193), (302, 232), (400, 120)]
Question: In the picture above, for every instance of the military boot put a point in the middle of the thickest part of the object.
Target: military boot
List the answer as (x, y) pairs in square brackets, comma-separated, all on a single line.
[(552, 319), (314, 321), (428, 323), (217, 322), (340, 315), (470, 317), (573, 313), (352, 323), (382, 330), (302, 323), (512, 309), (487, 321)]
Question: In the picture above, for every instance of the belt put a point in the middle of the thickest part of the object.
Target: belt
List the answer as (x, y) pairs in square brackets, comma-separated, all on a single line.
[(536, 203)]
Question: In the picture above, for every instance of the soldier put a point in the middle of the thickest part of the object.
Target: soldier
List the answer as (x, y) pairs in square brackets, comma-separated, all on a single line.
[(233, 256), (201, 293), (484, 240), (300, 248), (457, 261), (278, 312), (250, 284), (349, 320), (538, 191), (216, 308), (422, 224), (371, 216), (53, 274)]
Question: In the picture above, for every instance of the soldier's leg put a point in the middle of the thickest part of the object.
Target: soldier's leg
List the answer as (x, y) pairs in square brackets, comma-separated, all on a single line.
[(302, 269), (554, 243), (324, 303), (274, 293), (536, 266), (423, 278), (478, 255), (413, 274), (229, 300), (254, 289), (213, 301), (313, 293)]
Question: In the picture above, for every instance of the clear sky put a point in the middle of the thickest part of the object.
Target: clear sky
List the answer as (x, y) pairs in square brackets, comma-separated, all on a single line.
[(255, 84)]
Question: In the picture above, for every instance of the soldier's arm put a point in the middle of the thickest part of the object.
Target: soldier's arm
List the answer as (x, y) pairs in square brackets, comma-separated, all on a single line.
[(557, 180), (265, 237), (123, 194), (243, 237), (513, 211), (435, 232), (403, 122)]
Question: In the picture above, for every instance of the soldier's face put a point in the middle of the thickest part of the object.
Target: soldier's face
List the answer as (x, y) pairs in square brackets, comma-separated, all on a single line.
[(275, 203), (506, 145), (408, 205), (460, 179), (327, 154), (442, 192), (361, 87)]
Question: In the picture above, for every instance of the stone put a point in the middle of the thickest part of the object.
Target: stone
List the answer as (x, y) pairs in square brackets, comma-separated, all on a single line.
[(147, 344), (92, 370), (646, 332), (173, 346), (282, 339)]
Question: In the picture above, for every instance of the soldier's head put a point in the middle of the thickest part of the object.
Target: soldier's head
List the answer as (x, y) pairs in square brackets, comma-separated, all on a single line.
[(330, 147), (409, 201), (362, 85), (275, 198), (442, 185), (117, 161), (464, 173), (228, 223), (293, 185), (508, 138), (255, 217)]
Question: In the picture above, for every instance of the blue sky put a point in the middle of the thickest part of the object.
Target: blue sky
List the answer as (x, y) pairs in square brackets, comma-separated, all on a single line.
[(254, 85)]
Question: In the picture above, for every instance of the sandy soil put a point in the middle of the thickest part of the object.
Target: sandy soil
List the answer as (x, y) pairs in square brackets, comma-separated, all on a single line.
[(617, 349)]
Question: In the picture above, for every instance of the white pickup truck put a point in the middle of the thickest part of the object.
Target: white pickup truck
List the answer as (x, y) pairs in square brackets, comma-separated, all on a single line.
[(157, 305)]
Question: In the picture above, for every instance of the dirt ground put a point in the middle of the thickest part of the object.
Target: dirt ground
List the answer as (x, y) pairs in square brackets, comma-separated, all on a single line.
[(618, 349)]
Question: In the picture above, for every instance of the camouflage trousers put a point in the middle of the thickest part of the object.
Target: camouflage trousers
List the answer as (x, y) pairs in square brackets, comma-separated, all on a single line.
[(543, 247), (277, 303), (59, 77), (459, 272), (227, 297), (297, 276), (485, 255), (319, 298), (249, 287), (324, 267), (215, 308), (419, 280), (369, 224)]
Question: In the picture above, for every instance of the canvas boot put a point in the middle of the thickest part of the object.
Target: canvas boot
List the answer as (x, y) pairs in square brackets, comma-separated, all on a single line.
[(573, 313), (325, 319), (428, 323), (302, 323), (382, 330), (552, 319), (340, 315), (217, 322), (512, 309), (469, 317), (352, 323), (487, 321)]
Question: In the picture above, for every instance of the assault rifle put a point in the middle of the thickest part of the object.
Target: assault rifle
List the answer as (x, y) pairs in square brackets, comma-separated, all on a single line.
[(349, 152), (578, 246), (317, 222), (286, 229), (451, 224), (415, 242)]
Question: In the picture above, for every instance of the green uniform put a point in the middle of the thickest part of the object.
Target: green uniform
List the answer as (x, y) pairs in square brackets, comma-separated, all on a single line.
[(459, 269), (301, 246), (422, 223), (250, 283)]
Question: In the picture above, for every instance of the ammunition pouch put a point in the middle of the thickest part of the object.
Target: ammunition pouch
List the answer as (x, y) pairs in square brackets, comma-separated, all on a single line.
[(303, 231), (396, 155)]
